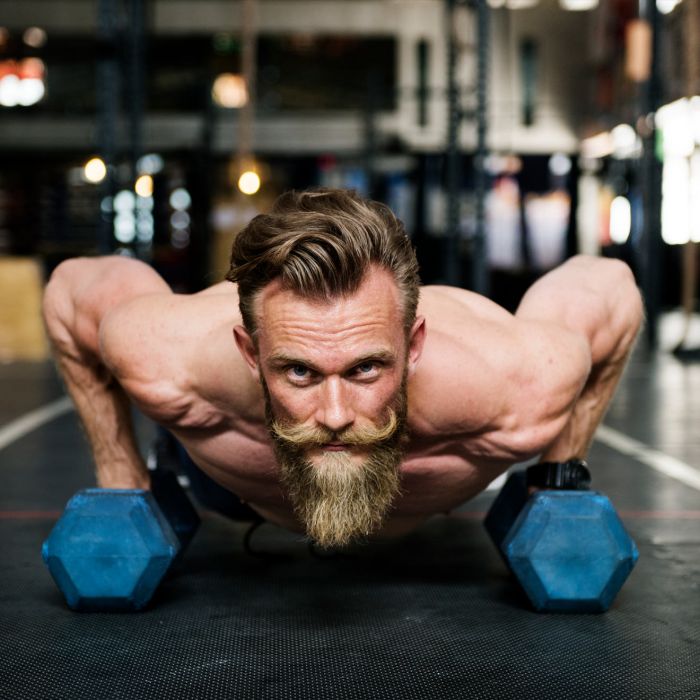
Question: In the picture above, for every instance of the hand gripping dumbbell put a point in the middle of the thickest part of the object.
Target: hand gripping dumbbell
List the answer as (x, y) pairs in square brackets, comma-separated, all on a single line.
[(111, 548), (565, 544)]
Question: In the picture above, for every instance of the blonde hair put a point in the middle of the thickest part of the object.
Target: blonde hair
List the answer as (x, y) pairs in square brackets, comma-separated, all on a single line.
[(321, 243)]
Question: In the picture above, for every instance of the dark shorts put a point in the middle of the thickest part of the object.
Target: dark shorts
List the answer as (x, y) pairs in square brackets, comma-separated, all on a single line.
[(208, 494)]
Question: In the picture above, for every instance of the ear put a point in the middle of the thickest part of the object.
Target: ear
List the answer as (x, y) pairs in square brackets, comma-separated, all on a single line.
[(416, 340), (248, 350)]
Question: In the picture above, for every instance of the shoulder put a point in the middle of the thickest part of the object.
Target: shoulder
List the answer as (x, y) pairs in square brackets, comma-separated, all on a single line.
[(172, 353), (452, 391), (443, 305), (494, 381)]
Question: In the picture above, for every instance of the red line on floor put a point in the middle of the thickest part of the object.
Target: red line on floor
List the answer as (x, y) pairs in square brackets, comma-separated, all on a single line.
[(29, 514), (661, 514)]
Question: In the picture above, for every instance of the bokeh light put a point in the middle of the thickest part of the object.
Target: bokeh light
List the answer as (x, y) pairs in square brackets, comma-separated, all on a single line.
[(95, 170), (9, 90), (180, 199), (620, 219), (22, 83), (31, 91), (560, 164), (249, 182), (150, 164), (144, 186), (230, 91), (34, 37)]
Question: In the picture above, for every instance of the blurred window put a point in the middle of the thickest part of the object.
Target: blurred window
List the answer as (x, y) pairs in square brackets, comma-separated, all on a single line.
[(295, 72), (326, 73)]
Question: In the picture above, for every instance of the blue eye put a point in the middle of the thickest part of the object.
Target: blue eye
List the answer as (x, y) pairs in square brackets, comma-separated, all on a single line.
[(365, 367), (299, 371)]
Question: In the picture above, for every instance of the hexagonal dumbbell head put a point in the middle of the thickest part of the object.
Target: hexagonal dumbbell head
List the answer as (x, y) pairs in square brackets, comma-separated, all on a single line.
[(570, 551), (110, 549)]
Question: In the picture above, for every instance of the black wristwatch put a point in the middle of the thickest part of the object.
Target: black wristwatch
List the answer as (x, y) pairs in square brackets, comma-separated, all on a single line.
[(571, 476)]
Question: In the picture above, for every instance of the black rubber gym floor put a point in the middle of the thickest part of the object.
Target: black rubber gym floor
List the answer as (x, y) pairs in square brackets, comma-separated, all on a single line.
[(433, 615)]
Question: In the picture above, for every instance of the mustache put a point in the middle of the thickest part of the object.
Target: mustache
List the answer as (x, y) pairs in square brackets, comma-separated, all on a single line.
[(303, 436)]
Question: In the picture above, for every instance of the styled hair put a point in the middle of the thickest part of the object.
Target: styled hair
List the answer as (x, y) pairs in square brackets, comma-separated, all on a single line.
[(321, 243)]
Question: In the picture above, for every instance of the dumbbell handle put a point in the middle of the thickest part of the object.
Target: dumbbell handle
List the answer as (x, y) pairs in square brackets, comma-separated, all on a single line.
[(572, 475)]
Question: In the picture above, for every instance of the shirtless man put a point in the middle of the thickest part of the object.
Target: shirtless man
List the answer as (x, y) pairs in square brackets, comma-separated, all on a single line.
[(317, 386)]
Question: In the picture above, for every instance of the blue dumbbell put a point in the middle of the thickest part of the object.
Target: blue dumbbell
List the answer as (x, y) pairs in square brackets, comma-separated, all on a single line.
[(565, 544), (111, 548)]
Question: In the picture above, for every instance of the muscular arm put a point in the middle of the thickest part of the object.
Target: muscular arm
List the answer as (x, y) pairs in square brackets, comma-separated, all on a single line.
[(80, 294), (508, 384), (597, 300), (538, 382)]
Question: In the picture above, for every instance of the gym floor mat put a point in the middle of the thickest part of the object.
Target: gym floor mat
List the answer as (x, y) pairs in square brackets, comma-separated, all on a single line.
[(432, 615)]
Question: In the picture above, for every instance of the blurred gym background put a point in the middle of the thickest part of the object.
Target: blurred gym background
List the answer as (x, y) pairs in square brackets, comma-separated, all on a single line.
[(508, 135)]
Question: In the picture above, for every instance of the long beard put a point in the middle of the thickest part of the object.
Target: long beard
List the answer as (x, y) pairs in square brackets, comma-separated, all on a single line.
[(338, 500)]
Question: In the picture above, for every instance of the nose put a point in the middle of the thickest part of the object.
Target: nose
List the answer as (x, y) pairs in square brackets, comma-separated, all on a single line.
[(334, 410)]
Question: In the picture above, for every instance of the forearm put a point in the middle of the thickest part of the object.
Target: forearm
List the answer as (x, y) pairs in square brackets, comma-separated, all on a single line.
[(105, 413), (574, 441), (79, 295)]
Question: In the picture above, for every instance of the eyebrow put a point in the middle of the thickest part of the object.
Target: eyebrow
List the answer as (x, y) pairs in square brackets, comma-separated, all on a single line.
[(282, 359)]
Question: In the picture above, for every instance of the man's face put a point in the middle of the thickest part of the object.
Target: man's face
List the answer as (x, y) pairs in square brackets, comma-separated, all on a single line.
[(334, 374)]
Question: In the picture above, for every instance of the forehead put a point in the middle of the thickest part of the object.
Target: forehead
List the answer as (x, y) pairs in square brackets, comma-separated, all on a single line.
[(291, 324)]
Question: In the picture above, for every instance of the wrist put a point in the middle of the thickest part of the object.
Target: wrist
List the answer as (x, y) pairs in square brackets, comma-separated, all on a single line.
[(114, 477), (572, 474), (124, 485), (128, 484)]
